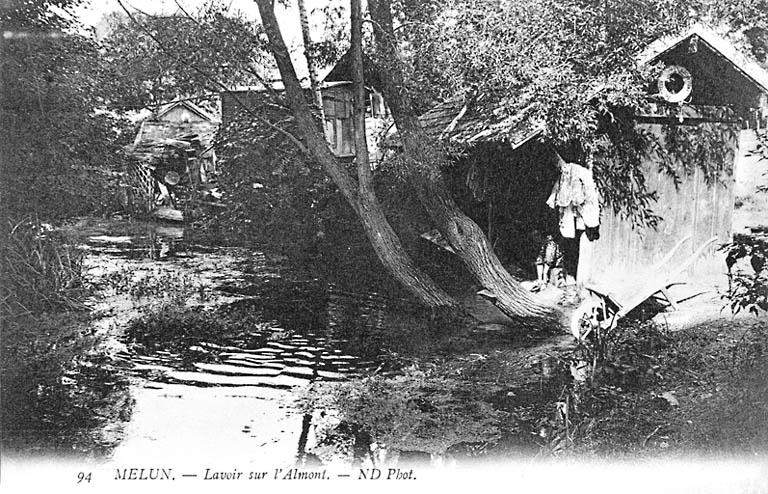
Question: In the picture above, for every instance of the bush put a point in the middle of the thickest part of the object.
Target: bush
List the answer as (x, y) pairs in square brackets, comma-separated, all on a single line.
[(60, 393), (40, 272), (177, 328), (747, 288)]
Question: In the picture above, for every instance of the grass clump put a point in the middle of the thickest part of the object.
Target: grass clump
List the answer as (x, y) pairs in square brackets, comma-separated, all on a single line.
[(175, 328), (59, 393), (417, 410), (698, 391), (39, 271)]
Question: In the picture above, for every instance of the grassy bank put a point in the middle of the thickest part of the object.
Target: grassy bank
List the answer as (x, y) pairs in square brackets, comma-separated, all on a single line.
[(696, 392), (40, 272), (58, 390)]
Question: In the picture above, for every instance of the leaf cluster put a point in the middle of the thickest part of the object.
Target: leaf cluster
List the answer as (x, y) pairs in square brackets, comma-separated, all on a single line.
[(59, 152), (569, 65), (155, 59), (747, 285)]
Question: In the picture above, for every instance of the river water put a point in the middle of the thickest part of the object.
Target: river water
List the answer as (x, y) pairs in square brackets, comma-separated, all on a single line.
[(225, 396), (203, 354)]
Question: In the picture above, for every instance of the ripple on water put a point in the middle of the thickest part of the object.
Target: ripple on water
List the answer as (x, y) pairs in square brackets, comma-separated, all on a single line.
[(303, 338)]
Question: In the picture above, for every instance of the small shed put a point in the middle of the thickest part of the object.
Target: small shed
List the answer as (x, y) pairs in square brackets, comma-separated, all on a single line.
[(173, 151), (183, 119), (182, 111), (707, 88), (338, 98)]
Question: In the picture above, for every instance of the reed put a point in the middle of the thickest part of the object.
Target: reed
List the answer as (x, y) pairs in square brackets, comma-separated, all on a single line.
[(39, 271)]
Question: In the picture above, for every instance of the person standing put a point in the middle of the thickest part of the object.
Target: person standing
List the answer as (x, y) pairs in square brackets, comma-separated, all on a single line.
[(549, 263)]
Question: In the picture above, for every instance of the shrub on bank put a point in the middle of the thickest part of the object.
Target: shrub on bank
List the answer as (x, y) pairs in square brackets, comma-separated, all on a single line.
[(39, 271)]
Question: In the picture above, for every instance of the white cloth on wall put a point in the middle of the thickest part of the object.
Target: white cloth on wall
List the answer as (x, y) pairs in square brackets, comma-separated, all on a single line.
[(589, 209), (567, 222), (575, 197)]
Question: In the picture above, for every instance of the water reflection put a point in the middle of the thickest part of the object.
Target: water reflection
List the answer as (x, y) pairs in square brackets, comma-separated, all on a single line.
[(217, 344), (264, 331), (60, 394)]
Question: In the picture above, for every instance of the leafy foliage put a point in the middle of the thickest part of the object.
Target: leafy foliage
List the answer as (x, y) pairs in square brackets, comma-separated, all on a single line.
[(747, 286), (37, 15), (708, 147), (569, 64), (762, 151), (151, 63), (618, 155), (58, 154), (273, 191)]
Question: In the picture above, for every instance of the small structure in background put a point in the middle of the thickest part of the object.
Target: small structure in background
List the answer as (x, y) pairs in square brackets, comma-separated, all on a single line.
[(338, 100), (338, 97), (174, 161)]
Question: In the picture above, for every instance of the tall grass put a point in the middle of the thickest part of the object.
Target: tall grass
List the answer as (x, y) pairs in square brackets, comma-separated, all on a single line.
[(39, 272)]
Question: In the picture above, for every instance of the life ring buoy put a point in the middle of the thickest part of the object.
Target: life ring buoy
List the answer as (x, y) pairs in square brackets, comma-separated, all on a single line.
[(675, 84), (172, 178)]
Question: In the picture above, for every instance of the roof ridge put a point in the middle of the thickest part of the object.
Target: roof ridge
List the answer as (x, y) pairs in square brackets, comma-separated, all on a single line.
[(164, 109), (722, 44)]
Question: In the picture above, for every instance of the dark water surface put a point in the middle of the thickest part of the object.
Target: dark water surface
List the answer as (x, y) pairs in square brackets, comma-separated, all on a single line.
[(202, 352), (223, 390)]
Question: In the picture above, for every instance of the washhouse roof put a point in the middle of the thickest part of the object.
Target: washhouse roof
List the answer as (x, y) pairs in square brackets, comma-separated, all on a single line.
[(724, 47)]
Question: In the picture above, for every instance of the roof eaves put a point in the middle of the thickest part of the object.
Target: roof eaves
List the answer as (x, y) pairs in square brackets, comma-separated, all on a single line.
[(189, 105), (717, 43)]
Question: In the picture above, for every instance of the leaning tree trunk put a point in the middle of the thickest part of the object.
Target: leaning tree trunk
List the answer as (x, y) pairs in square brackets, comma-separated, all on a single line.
[(462, 233), (382, 237), (309, 54)]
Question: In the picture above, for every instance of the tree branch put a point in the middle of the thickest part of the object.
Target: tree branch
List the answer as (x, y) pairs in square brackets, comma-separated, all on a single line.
[(259, 78), (215, 82)]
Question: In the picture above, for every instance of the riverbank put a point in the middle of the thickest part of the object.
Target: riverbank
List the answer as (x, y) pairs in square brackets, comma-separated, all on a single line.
[(694, 393), (270, 359)]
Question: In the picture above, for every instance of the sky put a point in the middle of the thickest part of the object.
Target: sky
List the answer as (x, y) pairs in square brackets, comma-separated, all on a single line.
[(93, 12)]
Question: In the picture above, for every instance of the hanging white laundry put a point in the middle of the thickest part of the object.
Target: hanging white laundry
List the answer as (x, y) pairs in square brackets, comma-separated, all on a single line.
[(576, 199), (567, 222), (589, 209)]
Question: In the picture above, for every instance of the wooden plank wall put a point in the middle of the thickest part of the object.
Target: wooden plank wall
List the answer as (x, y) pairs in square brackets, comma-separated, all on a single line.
[(695, 208)]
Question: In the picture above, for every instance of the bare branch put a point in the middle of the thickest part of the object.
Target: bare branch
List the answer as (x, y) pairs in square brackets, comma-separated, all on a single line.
[(212, 79)]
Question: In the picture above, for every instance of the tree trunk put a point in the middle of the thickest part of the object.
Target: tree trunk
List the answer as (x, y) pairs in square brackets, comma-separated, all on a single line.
[(310, 56), (384, 240), (463, 234), (472, 246)]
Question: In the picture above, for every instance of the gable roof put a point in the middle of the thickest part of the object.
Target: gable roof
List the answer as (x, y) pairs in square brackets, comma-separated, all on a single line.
[(165, 109), (341, 71), (454, 121), (725, 48)]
